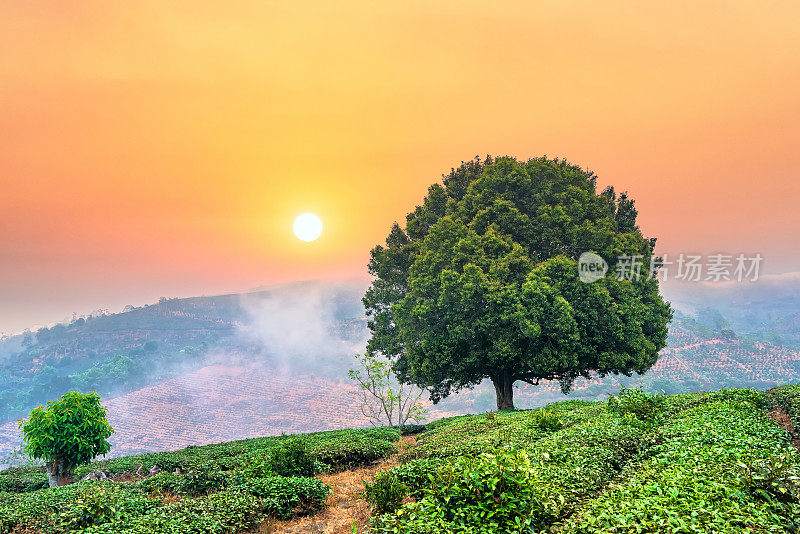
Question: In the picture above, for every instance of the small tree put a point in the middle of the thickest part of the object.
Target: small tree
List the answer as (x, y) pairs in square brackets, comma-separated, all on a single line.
[(67, 433), (384, 400)]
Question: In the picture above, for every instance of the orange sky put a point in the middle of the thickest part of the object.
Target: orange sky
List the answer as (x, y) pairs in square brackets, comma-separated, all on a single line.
[(163, 148)]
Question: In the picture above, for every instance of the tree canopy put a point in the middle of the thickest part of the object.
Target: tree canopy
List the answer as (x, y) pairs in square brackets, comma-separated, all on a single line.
[(482, 282), (67, 433)]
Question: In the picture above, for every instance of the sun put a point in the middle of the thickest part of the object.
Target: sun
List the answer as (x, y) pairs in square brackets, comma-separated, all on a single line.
[(307, 227)]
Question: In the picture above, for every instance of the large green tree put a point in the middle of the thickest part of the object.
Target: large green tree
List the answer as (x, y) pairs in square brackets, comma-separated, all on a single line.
[(482, 282)]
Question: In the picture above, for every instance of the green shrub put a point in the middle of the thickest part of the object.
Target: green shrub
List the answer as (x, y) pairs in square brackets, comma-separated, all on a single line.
[(488, 493), (162, 483), (216, 514), (386, 492), (788, 398), (97, 505), (62, 509), (22, 479), (417, 474), (547, 420), (694, 480), (291, 458), (635, 405), (201, 482), (355, 449), (286, 496), (775, 478)]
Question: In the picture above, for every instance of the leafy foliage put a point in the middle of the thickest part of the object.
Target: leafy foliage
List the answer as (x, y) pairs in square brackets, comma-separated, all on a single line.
[(788, 398), (291, 458), (547, 420), (284, 496), (481, 433), (382, 399), (483, 282), (386, 492), (637, 405), (704, 463), (492, 492), (694, 482), (773, 478), (69, 432)]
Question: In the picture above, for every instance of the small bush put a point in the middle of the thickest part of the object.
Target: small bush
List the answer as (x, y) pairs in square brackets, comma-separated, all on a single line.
[(547, 420), (635, 405), (773, 478), (162, 483), (285, 496), (97, 505), (22, 479), (386, 492), (417, 474), (488, 493), (201, 482), (291, 459)]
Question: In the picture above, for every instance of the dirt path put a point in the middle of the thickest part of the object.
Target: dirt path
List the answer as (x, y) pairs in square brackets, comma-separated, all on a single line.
[(345, 507), (780, 416)]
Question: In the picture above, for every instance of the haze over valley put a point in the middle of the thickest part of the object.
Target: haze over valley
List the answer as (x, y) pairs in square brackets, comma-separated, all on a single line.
[(202, 370)]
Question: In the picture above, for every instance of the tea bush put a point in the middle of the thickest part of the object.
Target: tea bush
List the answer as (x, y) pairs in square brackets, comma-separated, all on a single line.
[(694, 482), (417, 474), (291, 458), (487, 493), (788, 398), (330, 451), (162, 483), (56, 510), (216, 514), (22, 479), (480, 433), (547, 420), (286, 496), (386, 492), (356, 448), (637, 406), (561, 469)]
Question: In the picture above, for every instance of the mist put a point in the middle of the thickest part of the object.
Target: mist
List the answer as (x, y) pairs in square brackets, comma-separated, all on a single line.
[(305, 328)]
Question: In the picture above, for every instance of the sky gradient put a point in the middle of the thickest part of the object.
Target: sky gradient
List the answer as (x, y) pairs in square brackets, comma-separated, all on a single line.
[(150, 149)]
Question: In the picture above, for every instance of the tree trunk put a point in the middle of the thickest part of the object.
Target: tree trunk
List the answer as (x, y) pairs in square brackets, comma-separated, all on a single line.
[(58, 474), (504, 388)]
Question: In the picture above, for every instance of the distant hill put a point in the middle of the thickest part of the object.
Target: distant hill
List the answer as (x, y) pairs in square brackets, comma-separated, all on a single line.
[(200, 370), (118, 353)]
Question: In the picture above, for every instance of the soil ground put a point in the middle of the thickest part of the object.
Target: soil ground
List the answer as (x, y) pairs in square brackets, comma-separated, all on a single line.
[(345, 507), (780, 416)]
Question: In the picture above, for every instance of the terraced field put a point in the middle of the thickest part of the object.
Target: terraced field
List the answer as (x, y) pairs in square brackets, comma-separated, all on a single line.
[(720, 462)]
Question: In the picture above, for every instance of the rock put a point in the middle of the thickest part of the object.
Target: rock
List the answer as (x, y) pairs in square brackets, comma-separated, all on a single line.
[(103, 474)]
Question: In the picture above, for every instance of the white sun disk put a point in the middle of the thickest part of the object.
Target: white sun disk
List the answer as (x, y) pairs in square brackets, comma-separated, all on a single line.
[(307, 227)]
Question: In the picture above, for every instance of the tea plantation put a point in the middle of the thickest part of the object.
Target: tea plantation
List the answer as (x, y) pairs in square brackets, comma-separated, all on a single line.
[(636, 464), (213, 489), (714, 462)]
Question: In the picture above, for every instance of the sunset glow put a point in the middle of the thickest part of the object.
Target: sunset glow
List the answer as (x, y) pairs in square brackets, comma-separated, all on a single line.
[(162, 148)]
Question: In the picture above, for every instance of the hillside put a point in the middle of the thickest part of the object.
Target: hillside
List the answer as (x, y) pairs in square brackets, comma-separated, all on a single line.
[(721, 462), (221, 403), (183, 371)]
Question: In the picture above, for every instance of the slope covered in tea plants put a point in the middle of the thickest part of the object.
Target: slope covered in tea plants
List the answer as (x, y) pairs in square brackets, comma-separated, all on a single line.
[(701, 462), (229, 487), (688, 463)]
